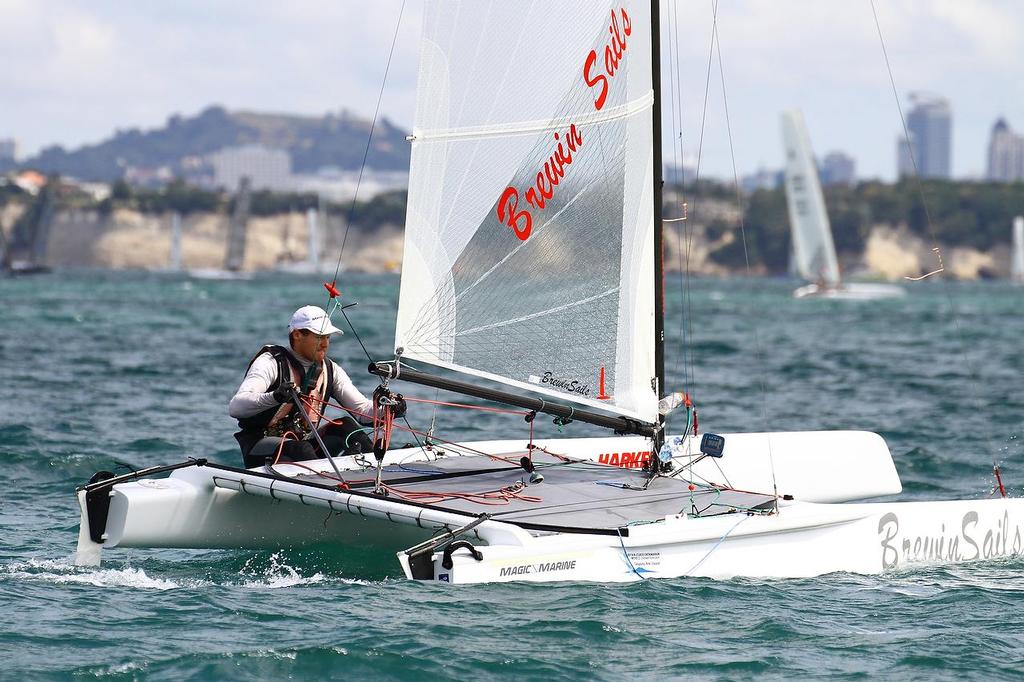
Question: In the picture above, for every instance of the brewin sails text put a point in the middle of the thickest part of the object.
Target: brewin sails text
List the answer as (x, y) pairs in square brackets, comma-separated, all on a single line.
[(521, 221)]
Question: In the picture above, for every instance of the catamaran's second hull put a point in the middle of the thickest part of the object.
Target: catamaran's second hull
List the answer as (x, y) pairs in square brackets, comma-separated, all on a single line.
[(801, 540)]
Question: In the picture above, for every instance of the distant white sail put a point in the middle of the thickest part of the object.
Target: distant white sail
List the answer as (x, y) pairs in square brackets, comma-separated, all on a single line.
[(313, 228), (813, 250), (529, 242), (1017, 257), (175, 261)]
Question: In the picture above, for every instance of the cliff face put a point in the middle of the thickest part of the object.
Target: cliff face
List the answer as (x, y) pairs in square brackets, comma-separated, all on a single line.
[(133, 240), (896, 253)]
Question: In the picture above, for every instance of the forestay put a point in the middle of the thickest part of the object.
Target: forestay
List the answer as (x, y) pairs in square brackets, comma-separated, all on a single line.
[(529, 242), (813, 250)]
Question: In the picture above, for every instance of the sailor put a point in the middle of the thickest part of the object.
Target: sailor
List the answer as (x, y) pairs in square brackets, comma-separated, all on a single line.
[(266, 412)]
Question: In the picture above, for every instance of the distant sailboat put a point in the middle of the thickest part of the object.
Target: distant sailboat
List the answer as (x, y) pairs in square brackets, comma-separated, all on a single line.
[(1017, 255), (24, 253), (813, 252), (312, 263), (175, 259), (237, 229)]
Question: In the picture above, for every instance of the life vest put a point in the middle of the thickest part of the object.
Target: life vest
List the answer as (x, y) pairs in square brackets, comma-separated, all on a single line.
[(280, 419)]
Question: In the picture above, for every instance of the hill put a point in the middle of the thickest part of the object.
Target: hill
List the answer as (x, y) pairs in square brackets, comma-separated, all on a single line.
[(314, 142)]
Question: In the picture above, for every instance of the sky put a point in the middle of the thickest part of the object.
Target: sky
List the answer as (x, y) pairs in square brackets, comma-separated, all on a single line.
[(72, 73)]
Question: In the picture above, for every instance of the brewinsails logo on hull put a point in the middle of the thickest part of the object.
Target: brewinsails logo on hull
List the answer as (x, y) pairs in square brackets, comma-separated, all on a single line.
[(511, 212), (970, 541)]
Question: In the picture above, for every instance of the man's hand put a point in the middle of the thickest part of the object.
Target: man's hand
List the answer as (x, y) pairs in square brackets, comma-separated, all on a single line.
[(385, 398), (283, 393)]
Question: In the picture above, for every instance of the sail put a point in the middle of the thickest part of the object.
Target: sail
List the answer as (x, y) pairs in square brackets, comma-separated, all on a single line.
[(814, 253), (1017, 256), (238, 226), (313, 229), (529, 242), (174, 261)]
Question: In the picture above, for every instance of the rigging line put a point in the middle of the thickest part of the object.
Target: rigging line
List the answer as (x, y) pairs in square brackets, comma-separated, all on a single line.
[(687, 288), (618, 532), (367, 353), (369, 139), (700, 157), (971, 368), (675, 86), (684, 234), (758, 349), (356, 334), (686, 282), (717, 544)]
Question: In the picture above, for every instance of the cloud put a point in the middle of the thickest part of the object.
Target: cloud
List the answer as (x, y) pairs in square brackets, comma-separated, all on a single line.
[(76, 71)]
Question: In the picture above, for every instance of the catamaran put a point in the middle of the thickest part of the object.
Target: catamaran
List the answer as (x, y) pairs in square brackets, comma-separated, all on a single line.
[(532, 271), (814, 253)]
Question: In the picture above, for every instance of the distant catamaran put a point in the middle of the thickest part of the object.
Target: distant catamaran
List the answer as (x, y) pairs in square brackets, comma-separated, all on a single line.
[(175, 260), (814, 254), (314, 218)]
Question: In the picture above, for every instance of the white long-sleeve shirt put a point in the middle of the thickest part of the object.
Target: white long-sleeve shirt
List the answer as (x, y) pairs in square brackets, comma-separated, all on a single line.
[(254, 396)]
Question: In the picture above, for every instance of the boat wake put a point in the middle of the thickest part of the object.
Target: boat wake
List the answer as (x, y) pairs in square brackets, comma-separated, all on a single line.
[(276, 573), (64, 572)]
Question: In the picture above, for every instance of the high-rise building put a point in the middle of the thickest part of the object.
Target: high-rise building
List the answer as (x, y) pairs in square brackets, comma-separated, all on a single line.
[(8, 150), (1005, 154), (930, 126), (266, 168), (838, 169)]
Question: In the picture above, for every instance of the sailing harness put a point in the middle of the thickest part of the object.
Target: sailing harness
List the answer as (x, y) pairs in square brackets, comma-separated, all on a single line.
[(314, 385)]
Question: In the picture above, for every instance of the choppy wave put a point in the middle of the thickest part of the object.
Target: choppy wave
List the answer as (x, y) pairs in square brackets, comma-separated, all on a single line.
[(65, 572), (154, 390)]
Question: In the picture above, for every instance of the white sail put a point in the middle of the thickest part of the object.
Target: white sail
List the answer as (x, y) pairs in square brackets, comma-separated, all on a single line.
[(1017, 257), (813, 250), (529, 242), (174, 261), (313, 229)]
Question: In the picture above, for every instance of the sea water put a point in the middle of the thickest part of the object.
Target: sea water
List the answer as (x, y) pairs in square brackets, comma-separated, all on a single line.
[(120, 371)]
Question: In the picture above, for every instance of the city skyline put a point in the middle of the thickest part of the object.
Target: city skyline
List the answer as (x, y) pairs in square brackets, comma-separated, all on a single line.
[(77, 74)]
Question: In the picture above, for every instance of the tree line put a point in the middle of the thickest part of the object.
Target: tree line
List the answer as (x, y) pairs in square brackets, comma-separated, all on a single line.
[(971, 214)]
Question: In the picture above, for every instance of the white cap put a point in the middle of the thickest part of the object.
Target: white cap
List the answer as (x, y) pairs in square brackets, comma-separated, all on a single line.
[(314, 319)]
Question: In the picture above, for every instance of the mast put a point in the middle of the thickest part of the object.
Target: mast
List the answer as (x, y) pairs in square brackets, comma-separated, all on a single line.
[(659, 264)]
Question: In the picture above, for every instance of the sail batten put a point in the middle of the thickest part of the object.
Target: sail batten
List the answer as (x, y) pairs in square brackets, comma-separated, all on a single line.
[(529, 256), (531, 127)]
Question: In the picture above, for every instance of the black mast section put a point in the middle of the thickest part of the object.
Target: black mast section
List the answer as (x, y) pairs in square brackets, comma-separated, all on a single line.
[(659, 261), (622, 425)]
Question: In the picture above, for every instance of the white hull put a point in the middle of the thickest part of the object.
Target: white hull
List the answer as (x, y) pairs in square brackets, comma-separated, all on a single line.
[(212, 274), (214, 507), (851, 292), (802, 540)]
